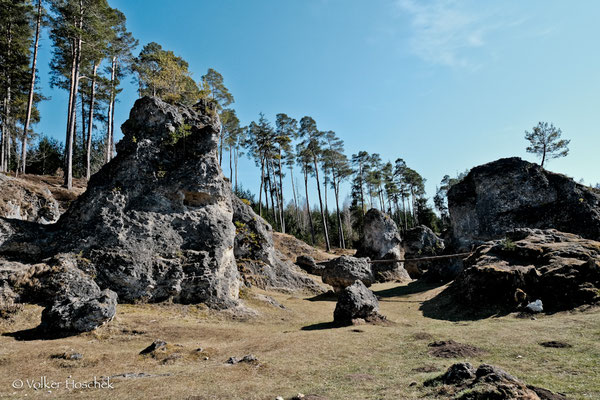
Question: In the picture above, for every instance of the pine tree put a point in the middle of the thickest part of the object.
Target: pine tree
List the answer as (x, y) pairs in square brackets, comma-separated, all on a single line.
[(313, 143), (31, 94), (15, 74), (162, 74), (545, 141)]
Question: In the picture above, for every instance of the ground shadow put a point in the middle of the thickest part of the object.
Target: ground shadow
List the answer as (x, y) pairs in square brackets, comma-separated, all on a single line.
[(404, 290), (327, 296), (37, 333), (448, 307), (323, 325)]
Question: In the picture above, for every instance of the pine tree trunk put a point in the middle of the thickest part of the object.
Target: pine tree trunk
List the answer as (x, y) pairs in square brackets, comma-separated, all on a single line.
[(6, 124), (341, 238), (310, 221), (281, 210), (262, 180), (88, 153), (230, 165), (71, 133), (236, 169), (327, 245), (31, 89), (110, 123), (270, 191), (295, 196)]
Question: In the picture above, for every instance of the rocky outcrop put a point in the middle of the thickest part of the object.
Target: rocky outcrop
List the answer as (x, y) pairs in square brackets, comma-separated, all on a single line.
[(381, 241), (25, 201), (356, 302), (488, 382), (345, 270), (560, 269), (155, 223), (511, 193), (259, 263), (421, 242)]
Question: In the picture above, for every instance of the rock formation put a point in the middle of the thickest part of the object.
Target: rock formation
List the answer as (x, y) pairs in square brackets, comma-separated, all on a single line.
[(420, 242), (156, 223), (27, 202), (488, 382), (561, 269), (381, 241), (512, 193), (259, 263), (345, 270), (356, 302)]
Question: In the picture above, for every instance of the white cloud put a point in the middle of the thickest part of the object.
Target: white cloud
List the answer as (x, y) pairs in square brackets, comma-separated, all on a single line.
[(446, 32)]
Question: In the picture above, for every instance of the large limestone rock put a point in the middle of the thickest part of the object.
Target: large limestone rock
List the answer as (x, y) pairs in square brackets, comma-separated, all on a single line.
[(259, 263), (156, 222), (421, 242), (26, 201), (561, 269), (356, 302), (345, 270), (512, 193), (381, 241)]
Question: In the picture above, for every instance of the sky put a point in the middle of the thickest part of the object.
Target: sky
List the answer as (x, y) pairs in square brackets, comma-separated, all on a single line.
[(446, 85)]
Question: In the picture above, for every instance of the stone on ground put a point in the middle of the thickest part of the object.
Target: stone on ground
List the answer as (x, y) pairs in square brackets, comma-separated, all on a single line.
[(356, 302)]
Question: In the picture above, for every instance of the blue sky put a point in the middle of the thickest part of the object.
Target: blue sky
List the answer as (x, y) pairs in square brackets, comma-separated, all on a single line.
[(445, 85)]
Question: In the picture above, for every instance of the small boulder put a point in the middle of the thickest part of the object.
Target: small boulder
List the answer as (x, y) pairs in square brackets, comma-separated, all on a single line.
[(345, 270), (308, 264), (80, 314), (458, 373), (248, 358), (354, 302), (156, 345)]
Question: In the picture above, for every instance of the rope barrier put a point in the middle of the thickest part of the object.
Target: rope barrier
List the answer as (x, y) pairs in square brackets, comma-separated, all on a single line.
[(422, 258)]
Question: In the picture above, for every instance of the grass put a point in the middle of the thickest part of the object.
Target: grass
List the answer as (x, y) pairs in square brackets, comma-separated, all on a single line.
[(358, 362)]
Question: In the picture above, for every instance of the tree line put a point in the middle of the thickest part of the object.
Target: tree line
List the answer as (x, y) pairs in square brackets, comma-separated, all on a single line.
[(92, 53)]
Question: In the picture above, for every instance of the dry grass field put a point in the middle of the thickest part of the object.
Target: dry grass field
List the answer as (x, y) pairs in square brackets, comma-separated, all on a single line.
[(298, 350)]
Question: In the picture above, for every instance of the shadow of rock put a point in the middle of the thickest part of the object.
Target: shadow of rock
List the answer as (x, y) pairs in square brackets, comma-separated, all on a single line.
[(327, 296), (445, 307), (38, 333), (404, 290), (323, 325)]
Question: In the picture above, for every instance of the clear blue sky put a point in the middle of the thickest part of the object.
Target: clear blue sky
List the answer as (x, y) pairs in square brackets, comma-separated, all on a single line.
[(446, 85)]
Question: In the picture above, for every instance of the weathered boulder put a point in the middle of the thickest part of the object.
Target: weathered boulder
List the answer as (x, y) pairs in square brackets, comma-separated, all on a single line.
[(354, 302), (26, 201), (511, 193), (420, 242), (345, 270), (80, 314), (561, 269), (156, 222), (73, 301), (381, 241), (488, 382), (308, 264), (259, 263)]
